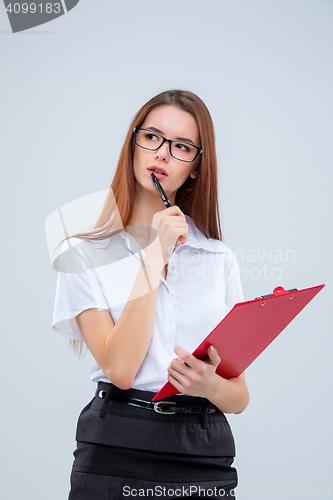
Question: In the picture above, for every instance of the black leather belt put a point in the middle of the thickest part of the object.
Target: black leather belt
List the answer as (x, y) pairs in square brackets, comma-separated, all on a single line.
[(165, 407)]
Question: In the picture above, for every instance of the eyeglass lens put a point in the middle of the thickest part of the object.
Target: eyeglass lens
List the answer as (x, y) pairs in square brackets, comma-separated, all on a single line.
[(179, 150)]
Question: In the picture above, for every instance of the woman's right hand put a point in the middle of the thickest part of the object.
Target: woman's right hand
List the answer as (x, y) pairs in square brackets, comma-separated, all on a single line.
[(170, 225)]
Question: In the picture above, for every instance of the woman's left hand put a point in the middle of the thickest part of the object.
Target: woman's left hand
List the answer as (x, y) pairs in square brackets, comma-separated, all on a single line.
[(191, 375)]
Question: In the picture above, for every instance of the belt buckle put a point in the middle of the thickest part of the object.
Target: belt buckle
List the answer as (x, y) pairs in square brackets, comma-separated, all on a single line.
[(157, 407)]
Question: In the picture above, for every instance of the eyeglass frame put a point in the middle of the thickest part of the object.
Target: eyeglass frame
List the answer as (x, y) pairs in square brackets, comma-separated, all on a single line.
[(136, 129)]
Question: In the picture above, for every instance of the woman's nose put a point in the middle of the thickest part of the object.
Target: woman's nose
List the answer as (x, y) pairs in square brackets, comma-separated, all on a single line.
[(163, 152)]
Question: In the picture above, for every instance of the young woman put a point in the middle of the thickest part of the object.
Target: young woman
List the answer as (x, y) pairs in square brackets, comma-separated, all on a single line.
[(146, 286)]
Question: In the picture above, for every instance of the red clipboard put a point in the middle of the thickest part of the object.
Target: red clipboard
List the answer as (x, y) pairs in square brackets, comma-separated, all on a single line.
[(248, 329)]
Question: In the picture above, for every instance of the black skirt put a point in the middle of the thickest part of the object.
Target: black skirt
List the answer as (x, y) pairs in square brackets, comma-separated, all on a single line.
[(124, 451)]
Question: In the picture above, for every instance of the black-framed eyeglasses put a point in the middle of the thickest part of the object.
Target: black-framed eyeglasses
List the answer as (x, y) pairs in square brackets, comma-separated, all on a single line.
[(180, 150)]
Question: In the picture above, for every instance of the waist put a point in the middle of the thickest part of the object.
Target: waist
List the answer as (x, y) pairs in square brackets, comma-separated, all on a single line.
[(109, 421)]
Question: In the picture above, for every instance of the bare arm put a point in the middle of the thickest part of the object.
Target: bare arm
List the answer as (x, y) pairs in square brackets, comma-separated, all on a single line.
[(230, 395), (120, 348)]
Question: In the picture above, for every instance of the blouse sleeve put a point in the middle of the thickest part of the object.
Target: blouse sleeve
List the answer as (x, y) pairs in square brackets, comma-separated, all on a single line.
[(234, 291), (76, 292)]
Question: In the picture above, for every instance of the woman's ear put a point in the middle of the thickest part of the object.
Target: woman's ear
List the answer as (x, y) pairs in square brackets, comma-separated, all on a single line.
[(195, 172)]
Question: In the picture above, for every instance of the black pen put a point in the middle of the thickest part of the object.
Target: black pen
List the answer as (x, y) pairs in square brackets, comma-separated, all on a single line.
[(160, 190)]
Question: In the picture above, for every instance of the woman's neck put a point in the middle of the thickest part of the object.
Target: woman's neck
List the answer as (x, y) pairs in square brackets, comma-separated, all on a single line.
[(146, 204)]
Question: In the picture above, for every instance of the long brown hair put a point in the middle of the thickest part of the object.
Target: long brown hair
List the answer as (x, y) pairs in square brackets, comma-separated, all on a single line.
[(197, 197)]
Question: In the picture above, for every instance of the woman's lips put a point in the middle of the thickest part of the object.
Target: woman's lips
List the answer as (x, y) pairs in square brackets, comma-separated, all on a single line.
[(160, 173)]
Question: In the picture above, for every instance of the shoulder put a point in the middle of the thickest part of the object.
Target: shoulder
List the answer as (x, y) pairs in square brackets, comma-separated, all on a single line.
[(76, 255)]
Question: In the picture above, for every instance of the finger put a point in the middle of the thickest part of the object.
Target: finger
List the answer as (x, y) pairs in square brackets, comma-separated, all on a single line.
[(174, 210), (180, 377), (179, 366), (176, 219), (188, 358), (214, 358), (175, 383), (182, 239)]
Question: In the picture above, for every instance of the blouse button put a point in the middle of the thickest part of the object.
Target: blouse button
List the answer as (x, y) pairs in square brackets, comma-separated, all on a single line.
[(170, 319)]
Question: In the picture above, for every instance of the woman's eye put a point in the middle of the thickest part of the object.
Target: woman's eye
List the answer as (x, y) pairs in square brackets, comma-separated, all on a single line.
[(182, 147), (151, 137)]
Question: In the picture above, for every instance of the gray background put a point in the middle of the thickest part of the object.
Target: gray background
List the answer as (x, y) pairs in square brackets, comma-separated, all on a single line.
[(69, 89)]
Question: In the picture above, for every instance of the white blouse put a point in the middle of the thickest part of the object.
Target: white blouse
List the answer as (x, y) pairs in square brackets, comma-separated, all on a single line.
[(201, 287)]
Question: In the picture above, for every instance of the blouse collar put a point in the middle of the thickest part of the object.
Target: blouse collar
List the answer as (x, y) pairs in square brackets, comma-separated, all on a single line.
[(196, 239)]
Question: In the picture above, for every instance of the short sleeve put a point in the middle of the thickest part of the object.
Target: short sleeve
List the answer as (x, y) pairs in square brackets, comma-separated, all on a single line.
[(234, 290), (76, 292)]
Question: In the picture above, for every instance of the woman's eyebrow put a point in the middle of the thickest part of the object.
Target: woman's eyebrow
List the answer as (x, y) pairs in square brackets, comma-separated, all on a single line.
[(185, 139)]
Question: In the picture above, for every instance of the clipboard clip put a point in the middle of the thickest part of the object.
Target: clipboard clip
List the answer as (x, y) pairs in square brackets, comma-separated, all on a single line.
[(279, 290)]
